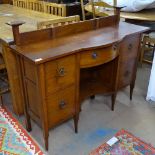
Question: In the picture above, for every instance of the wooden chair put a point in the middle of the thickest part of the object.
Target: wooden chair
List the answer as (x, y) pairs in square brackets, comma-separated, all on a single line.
[(2, 69), (35, 5), (58, 22), (20, 3), (94, 6), (55, 9), (148, 44)]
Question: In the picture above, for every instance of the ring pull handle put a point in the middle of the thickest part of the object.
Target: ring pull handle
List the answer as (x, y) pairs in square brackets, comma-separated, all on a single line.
[(94, 55), (61, 71), (130, 47), (62, 104)]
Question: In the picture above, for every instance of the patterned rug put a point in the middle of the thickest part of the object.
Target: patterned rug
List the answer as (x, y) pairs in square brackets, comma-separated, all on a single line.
[(14, 140), (128, 144)]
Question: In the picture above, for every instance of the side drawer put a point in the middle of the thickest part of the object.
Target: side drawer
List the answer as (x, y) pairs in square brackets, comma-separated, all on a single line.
[(126, 72), (129, 47), (61, 106), (98, 56), (60, 73)]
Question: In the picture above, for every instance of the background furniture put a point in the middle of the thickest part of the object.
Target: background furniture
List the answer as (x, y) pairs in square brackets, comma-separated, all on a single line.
[(3, 76), (42, 6), (73, 7), (5, 1), (148, 45), (151, 87), (55, 9), (61, 66), (99, 8), (58, 22), (34, 5), (20, 3), (144, 15), (12, 13)]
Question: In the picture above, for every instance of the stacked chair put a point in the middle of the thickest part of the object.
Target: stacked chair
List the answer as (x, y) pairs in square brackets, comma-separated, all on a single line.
[(95, 5), (41, 6), (148, 45), (35, 5)]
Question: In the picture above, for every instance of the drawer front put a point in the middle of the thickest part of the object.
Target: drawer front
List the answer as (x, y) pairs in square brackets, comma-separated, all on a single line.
[(126, 72), (98, 56), (61, 106), (129, 47), (59, 73)]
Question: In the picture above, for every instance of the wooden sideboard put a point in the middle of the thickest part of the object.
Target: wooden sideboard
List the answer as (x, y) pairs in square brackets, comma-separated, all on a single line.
[(59, 67)]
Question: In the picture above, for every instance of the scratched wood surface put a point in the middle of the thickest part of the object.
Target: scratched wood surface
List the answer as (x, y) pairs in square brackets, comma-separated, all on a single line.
[(12, 13)]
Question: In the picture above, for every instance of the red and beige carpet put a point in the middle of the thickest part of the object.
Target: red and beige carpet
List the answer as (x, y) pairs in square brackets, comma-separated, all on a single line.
[(14, 140), (127, 144)]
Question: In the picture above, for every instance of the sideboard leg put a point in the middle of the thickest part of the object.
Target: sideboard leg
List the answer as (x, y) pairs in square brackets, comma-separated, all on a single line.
[(76, 119), (46, 142), (28, 123), (45, 134), (113, 99), (92, 97), (131, 90), (1, 100)]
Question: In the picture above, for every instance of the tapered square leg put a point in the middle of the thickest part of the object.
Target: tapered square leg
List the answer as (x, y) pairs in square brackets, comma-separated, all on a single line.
[(131, 90), (92, 97), (76, 119), (113, 100)]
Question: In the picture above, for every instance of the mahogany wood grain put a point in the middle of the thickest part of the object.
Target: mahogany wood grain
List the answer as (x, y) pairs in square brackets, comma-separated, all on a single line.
[(60, 73), (97, 57), (64, 70), (39, 53), (129, 50)]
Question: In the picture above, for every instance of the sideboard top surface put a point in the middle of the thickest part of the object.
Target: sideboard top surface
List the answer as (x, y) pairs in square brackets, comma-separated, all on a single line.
[(54, 48)]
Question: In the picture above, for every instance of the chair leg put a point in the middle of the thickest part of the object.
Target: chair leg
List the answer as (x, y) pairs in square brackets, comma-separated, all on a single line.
[(1, 100)]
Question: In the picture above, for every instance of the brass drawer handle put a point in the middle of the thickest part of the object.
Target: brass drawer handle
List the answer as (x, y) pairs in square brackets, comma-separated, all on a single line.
[(62, 104), (130, 47), (61, 72), (94, 55)]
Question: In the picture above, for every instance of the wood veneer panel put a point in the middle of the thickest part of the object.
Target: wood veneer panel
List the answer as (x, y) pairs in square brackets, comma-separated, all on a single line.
[(60, 73)]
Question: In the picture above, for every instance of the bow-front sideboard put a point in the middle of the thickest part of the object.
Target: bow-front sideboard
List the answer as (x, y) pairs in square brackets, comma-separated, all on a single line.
[(59, 67)]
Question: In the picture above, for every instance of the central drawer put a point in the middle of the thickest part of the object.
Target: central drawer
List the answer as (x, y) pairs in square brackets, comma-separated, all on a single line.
[(98, 56)]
